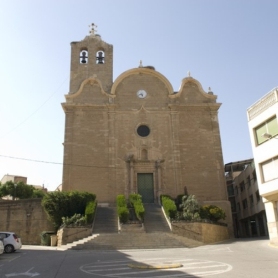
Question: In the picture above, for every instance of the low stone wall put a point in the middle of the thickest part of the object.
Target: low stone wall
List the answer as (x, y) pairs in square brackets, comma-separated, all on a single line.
[(204, 232), (26, 218), (132, 228), (69, 235)]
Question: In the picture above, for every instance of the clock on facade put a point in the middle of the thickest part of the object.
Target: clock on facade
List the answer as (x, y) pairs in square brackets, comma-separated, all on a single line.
[(141, 93)]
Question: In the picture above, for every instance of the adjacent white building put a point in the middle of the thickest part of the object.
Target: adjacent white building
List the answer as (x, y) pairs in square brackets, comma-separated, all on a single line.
[(13, 178), (263, 128)]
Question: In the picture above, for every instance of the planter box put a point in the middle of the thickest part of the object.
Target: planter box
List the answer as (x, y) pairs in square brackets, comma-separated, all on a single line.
[(132, 228), (69, 235), (203, 232)]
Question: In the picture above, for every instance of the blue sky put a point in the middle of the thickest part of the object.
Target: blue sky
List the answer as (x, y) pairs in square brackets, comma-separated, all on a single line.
[(230, 46)]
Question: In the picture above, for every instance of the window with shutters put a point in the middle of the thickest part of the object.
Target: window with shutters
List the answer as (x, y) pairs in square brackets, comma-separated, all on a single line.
[(269, 169)]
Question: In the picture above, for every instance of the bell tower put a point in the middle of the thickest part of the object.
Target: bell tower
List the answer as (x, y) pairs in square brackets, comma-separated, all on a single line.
[(91, 57)]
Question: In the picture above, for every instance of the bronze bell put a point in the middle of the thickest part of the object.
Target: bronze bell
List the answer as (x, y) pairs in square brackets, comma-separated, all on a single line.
[(100, 58), (84, 57)]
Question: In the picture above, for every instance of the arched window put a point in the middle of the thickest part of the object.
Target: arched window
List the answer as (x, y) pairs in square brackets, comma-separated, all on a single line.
[(144, 154), (100, 57), (83, 57)]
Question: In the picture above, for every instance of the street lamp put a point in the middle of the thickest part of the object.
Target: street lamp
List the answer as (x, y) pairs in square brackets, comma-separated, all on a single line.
[(268, 136)]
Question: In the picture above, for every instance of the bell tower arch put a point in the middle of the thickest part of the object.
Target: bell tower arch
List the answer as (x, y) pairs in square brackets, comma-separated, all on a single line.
[(91, 57)]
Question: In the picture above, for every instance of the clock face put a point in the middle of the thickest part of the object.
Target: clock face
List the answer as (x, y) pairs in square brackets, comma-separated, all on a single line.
[(141, 93)]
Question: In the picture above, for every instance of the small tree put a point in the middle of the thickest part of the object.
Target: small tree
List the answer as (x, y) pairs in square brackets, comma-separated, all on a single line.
[(18, 190), (38, 193), (190, 208)]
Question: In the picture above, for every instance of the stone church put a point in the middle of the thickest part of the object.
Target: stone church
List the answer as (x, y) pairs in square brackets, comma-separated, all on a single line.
[(136, 134)]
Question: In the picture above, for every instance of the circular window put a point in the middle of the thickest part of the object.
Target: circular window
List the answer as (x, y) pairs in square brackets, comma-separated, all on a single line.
[(143, 130)]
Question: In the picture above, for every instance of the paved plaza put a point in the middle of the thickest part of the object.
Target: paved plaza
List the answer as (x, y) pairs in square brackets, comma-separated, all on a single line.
[(236, 258)]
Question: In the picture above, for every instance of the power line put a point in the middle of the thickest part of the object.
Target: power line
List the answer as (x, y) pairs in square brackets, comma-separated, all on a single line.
[(28, 117), (64, 164), (57, 163)]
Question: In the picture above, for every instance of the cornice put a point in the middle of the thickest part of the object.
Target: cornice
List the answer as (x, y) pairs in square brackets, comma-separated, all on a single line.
[(91, 81), (147, 71), (201, 90)]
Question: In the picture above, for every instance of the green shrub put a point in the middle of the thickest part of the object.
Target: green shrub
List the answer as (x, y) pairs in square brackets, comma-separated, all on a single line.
[(136, 202), (139, 210), (134, 197), (75, 220), (65, 204), (90, 211), (169, 206), (77, 201), (122, 210), (123, 214), (121, 201), (38, 193), (190, 208), (178, 201), (212, 213), (167, 196)]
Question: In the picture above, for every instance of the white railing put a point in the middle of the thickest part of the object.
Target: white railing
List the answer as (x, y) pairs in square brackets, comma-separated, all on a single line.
[(261, 105)]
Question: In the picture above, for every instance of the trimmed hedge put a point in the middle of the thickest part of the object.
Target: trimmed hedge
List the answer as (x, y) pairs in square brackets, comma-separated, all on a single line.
[(136, 202), (169, 206), (123, 214), (90, 211), (122, 210)]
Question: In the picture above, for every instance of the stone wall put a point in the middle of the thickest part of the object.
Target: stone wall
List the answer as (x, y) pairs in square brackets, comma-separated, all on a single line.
[(69, 235), (105, 154), (26, 218), (204, 232)]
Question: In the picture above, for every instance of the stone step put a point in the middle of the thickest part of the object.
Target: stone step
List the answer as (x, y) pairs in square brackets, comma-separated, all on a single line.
[(106, 220), (154, 220), (153, 234), (136, 241)]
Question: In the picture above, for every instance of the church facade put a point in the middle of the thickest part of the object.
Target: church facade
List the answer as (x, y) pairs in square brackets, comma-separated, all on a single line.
[(136, 134)]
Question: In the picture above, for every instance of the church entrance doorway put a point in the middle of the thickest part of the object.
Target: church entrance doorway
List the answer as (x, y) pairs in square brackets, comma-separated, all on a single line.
[(145, 187)]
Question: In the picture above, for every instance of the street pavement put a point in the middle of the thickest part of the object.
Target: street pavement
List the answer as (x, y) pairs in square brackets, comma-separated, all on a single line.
[(236, 258)]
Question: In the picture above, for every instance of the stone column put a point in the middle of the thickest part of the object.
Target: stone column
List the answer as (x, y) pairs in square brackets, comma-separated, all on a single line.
[(132, 189), (271, 212), (130, 168)]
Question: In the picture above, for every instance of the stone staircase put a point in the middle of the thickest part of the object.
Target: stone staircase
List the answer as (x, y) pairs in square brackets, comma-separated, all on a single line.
[(136, 241), (154, 220), (156, 233), (106, 220)]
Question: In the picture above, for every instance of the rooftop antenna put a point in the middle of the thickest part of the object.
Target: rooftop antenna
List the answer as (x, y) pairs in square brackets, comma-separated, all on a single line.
[(93, 29)]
